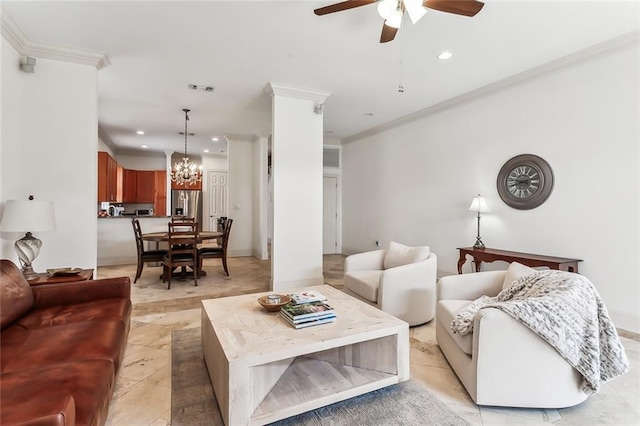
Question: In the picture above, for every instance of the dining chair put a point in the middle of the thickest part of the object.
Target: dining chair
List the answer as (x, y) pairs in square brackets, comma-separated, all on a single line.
[(218, 251), (183, 250), (182, 219), (144, 256)]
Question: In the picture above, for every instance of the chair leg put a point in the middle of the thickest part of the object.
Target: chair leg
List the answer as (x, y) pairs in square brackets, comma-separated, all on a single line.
[(168, 272), (138, 271), (195, 273), (224, 264), (200, 266)]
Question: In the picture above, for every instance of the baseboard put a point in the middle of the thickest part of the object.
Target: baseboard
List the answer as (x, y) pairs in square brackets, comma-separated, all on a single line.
[(118, 260), (625, 321), (283, 286), (241, 253)]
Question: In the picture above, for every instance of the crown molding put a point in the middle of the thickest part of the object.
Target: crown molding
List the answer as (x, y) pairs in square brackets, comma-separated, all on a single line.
[(278, 89), (25, 47), (622, 42), (104, 137)]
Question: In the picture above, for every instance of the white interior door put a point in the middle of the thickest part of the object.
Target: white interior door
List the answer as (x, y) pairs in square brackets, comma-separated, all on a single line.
[(217, 197), (330, 215)]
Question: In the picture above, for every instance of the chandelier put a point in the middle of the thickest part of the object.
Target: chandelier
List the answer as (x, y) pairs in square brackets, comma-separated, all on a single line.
[(186, 172)]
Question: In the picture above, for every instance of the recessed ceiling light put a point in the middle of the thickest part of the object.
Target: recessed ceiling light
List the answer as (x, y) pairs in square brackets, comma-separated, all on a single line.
[(368, 114), (145, 146), (140, 132), (215, 139), (445, 55), (205, 151)]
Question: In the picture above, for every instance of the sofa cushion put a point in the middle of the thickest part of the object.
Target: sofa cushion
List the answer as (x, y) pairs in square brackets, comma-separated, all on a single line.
[(446, 312), (22, 349), (103, 309), (40, 393), (364, 283), (399, 254), (16, 297), (516, 270)]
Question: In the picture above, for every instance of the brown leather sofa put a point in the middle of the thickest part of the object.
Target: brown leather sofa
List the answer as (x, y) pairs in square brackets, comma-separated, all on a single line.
[(61, 346)]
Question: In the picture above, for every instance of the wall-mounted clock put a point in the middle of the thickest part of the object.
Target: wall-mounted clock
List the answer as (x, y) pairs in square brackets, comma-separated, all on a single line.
[(525, 181)]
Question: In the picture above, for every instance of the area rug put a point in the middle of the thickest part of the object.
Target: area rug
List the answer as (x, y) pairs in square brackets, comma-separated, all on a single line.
[(193, 401)]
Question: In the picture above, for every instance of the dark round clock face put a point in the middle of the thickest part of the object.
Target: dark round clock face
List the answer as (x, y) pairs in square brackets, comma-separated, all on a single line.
[(525, 181)]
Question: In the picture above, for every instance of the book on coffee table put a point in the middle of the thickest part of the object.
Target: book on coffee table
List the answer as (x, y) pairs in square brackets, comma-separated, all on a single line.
[(308, 322), (306, 310), (307, 297)]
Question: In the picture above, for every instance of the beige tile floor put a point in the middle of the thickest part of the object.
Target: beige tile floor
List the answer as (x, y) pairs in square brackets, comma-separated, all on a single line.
[(143, 390)]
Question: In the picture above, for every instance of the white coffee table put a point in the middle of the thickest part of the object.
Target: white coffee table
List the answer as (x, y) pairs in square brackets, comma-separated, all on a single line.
[(263, 370)]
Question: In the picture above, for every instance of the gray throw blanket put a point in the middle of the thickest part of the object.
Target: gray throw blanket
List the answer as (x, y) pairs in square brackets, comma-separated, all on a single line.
[(565, 310)]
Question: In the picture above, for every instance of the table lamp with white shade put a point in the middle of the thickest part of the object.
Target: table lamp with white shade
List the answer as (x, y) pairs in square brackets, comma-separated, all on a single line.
[(28, 216), (478, 204)]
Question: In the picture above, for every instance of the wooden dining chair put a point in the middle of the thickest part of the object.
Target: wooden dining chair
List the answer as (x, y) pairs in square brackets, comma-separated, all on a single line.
[(144, 256), (183, 250), (218, 251), (182, 219)]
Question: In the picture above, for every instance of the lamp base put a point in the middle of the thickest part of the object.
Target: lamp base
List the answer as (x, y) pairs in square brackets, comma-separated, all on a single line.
[(479, 244), (28, 248)]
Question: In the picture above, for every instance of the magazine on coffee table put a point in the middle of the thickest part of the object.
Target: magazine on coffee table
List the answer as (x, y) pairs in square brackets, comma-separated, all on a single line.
[(307, 297), (306, 310), (308, 322)]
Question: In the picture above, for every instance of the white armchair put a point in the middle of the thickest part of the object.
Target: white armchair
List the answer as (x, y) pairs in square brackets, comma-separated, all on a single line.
[(407, 291), (502, 363)]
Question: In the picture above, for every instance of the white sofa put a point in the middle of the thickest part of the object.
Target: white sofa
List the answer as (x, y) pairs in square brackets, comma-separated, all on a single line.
[(502, 363), (406, 288)]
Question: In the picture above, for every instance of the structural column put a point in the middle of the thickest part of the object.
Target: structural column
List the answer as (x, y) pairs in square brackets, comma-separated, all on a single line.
[(296, 158)]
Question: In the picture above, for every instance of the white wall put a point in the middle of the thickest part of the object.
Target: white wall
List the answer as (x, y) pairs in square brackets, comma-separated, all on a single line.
[(241, 206), (49, 144), (414, 183), (144, 161)]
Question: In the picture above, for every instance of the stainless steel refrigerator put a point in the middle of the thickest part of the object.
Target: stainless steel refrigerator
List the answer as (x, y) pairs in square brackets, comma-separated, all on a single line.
[(187, 202)]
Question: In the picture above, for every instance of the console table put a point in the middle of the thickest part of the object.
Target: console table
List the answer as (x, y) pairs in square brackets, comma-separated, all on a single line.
[(533, 260)]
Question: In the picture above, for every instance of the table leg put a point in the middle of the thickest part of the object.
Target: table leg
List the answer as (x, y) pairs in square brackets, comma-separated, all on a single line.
[(478, 264), (461, 260)]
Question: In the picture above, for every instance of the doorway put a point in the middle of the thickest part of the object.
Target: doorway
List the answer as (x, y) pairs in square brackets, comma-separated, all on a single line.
[(217, 197), (330, 215)]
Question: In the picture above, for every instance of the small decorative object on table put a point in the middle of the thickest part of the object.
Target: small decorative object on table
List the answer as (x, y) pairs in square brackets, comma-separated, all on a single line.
[(63, 271), (273, 302)]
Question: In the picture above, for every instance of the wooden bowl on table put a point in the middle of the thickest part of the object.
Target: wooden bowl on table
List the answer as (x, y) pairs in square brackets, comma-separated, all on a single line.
[(271, 305)]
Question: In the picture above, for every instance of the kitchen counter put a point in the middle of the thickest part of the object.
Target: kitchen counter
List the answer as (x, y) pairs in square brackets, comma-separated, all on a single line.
[(116, 242)]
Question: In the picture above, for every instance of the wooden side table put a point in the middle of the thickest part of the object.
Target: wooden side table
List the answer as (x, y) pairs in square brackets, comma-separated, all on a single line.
[(533, 260), (44, 278)]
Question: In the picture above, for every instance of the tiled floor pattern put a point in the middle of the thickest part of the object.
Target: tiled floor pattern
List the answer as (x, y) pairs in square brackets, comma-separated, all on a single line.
[(143, 391)]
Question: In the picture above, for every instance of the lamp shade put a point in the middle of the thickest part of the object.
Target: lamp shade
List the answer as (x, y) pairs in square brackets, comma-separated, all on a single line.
[(479, 204), (28, 216)]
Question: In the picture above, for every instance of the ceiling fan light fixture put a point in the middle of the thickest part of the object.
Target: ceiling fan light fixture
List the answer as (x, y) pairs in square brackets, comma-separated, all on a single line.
[(414, 10), (386, 8), (395, 21)]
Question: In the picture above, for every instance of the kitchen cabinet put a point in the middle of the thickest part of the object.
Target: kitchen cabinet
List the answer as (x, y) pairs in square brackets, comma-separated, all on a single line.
[(160, 203), (129, 184), (145, 186), (107, 178)]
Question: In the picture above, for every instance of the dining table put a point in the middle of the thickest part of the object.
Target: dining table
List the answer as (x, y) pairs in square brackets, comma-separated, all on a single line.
[(158, 237)]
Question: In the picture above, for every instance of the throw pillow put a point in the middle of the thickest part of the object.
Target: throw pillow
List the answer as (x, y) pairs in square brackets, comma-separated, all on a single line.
[(516, 270), (399, 254)]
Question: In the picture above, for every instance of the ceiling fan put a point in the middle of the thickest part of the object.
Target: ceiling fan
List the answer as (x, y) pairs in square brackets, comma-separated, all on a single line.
[(392, 11)]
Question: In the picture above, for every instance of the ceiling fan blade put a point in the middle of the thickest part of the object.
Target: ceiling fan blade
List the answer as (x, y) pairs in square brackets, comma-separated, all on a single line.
[(339, 7), (388, 33), (459, 7)]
